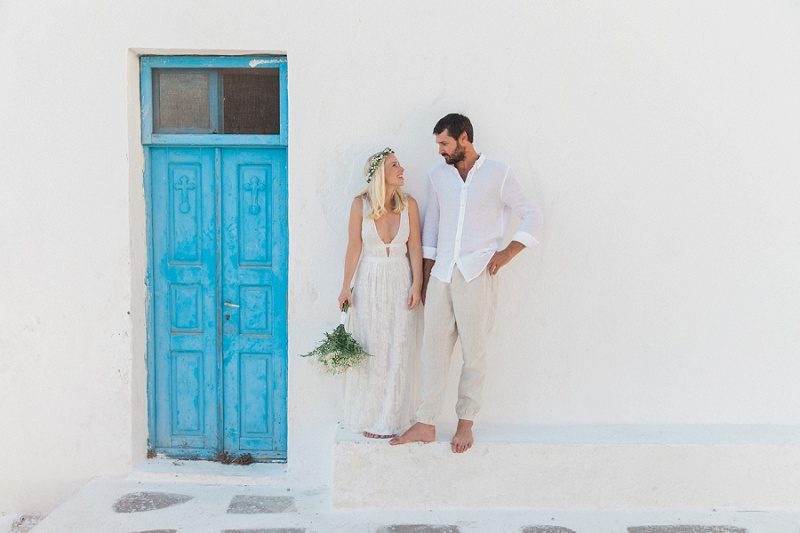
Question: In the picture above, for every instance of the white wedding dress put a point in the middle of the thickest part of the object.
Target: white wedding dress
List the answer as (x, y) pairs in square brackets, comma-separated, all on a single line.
[(380, 395)]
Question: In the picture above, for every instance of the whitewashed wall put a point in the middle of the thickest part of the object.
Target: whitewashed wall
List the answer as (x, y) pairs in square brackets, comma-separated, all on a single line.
[(660, 140)]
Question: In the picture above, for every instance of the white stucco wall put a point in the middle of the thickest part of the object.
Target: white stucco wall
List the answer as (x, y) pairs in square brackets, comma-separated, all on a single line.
[(658, 138)]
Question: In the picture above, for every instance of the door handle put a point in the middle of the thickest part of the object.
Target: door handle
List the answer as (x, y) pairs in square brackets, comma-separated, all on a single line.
[(229, 304)]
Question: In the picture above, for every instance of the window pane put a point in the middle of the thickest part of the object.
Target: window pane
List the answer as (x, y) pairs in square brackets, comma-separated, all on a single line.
[(251, 101), (181, 98)]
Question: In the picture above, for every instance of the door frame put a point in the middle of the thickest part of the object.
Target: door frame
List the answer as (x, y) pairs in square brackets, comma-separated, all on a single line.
[(146, 65)]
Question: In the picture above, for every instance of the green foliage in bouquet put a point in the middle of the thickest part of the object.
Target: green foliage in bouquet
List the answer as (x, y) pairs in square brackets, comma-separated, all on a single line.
[(339, 351)]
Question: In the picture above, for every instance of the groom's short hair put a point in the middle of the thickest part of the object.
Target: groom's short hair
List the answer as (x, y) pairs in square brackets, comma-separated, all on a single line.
[(455, 124)]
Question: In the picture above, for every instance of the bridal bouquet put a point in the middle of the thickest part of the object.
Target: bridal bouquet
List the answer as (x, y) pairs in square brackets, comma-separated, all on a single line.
[(339, 351)]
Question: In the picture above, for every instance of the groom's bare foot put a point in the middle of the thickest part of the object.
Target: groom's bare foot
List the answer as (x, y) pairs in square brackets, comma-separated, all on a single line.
[(419, 432), (462, 440)]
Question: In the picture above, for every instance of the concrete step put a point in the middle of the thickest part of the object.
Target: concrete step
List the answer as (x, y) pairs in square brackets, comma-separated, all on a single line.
[(576, 467)]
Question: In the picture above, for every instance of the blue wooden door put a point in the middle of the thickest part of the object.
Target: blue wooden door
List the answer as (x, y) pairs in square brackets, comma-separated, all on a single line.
[(218, 262), (253, 287)]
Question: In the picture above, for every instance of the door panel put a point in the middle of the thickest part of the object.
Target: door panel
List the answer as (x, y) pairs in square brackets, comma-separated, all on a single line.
[(254, 238), (184, 294)]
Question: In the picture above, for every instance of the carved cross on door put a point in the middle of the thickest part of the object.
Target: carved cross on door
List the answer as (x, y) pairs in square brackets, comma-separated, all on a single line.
[(255, 185), (184, 186)]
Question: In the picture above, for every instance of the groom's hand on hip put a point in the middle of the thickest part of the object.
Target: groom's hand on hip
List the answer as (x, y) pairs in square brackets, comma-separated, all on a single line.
[(502, 257)]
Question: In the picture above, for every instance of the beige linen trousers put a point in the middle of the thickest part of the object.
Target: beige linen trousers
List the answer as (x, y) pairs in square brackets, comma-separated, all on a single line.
[(456, 310)]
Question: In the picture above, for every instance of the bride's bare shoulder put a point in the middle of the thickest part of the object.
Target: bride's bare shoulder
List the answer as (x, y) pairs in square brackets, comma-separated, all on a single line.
[(358, 205), (412, 204)]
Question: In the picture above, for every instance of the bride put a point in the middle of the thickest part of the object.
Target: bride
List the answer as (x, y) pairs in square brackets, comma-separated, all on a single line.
[(383, 266)]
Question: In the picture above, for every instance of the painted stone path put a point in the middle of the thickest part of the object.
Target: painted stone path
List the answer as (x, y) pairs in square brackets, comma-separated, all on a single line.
[(157, 506)]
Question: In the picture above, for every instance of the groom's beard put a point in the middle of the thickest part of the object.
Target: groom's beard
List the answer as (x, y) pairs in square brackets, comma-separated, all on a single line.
[(457, 157)]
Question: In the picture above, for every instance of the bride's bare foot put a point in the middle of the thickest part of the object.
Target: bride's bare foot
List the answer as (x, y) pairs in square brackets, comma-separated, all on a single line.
[(419, 432), (377, 436), (462, 440)]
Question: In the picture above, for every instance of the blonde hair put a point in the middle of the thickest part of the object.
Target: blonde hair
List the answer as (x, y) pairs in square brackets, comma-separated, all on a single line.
[(375, 191)]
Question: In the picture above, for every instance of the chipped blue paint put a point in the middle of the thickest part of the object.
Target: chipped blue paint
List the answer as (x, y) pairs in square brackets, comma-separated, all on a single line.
[(217, 282)]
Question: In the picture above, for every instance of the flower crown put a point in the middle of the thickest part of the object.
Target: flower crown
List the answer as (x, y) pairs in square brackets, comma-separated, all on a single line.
[(376, 160)]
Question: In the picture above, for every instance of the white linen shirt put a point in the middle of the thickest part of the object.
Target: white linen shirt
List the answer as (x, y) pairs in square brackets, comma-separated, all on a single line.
[(465, 220)]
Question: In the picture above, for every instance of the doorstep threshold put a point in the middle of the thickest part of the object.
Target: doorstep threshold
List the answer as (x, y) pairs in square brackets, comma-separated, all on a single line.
[(208, 472)]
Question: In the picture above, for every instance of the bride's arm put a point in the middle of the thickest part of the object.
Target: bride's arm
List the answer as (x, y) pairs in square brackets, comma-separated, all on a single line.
[(414, 251), (353, 250)]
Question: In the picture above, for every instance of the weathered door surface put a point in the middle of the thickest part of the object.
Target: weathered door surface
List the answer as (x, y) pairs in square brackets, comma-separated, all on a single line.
[(253, 289)]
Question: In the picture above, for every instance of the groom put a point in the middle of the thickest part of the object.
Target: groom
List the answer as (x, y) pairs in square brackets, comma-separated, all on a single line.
[(469, 200)]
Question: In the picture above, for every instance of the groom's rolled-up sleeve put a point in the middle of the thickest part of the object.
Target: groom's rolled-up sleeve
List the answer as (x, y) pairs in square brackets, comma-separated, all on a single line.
[(514, 197), (430, 226)]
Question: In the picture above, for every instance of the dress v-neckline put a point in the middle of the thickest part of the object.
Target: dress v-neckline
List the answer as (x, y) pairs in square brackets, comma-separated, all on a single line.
[(378, 233)]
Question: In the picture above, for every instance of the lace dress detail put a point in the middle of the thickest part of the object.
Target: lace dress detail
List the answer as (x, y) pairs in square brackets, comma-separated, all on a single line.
[(380, 395)]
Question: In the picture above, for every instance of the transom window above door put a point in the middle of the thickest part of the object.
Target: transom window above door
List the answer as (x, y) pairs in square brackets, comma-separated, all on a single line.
[(232, 101), (200, 100)]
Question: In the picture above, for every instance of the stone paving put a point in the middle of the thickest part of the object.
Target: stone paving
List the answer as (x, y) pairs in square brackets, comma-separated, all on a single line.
[(418, 528), (271, 530), (546, 529), (136, 506), (139, 502), (247, 504), (18, 524), (686, 529)]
